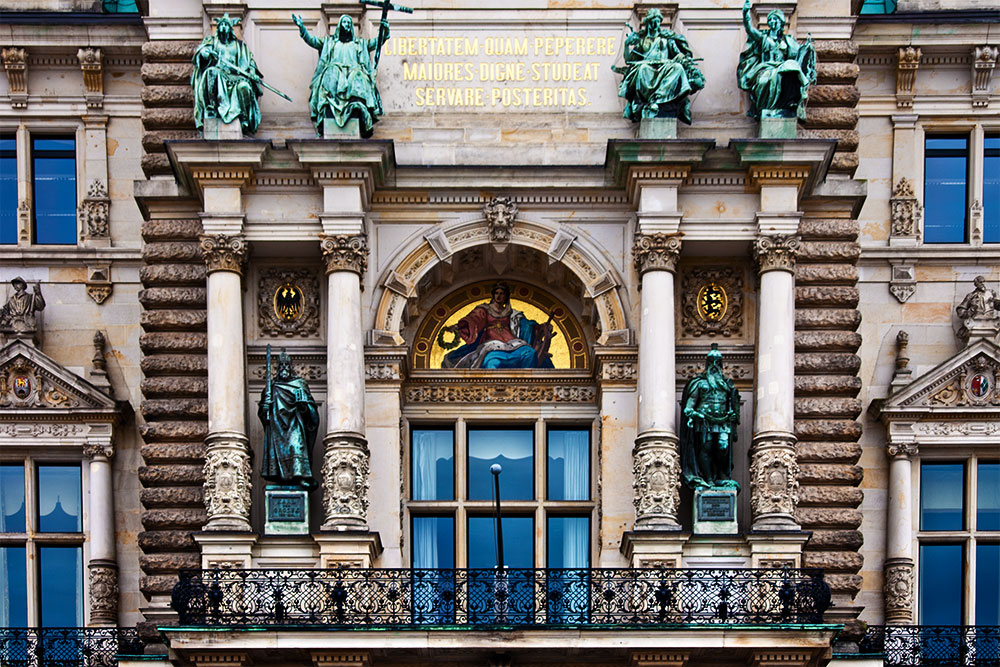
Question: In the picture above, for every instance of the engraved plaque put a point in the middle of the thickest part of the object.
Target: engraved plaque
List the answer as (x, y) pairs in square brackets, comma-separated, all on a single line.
[(286, 507), (716, 507)]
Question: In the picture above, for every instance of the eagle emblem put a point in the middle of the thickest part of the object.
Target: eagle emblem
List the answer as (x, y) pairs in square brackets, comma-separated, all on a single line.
[(288, 302)]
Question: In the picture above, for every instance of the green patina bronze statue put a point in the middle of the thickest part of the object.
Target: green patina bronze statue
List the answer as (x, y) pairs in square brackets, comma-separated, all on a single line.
[(226, 80), (711, 413), (290, 418), (775, 69), (660, 72)]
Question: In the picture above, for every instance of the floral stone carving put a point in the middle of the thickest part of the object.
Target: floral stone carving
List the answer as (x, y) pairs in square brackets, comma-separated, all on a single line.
[(225, 253), (656, 252), (656, 482), (899, 592), (774, 482), (776, 253), (103, 593), (227, 486), (345, 482)]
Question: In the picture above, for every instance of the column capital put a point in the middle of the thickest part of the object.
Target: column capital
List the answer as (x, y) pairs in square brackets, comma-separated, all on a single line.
[(97, 452), (902, 450), (225, 253), (342, 252), (656, 252), (776, 253)]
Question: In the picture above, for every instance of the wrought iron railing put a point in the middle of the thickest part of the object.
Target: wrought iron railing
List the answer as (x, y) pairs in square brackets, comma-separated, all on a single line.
[(418, 598), (66, 647), (873, 643), (927, 645)]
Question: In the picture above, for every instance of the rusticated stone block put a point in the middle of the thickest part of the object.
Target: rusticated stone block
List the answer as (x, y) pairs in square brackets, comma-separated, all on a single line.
[(831, 118), (157, 584), (830, 496), (813, 229), (166, 540), (827, 362), (827, 429), (174, 252), (836, 50), (829, 406), (827, 318), (155, 163), (174, 386), (172, 452), (171, 230), (188, 518), (811, 385), (840, 95), (833, 296), (833, 561), (152, 140), (827, 251), (173, 341), (827, 274), (821, 517), (196, 408), (847, 341), (167, 50), (173, 274), (837, 72), (850, 540), (845, 162), (173, 320), (172, 496), (847, 140), (172, 118), (173, 297), (830, 473), (844, 584), (166, 563), (174, 364), (167, 73), (173, 431), (167, 96), (170, 475), (840, 452)]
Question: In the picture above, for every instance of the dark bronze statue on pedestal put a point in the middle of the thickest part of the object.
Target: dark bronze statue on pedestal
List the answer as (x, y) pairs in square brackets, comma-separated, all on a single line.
[(711, 413), (290, 418)]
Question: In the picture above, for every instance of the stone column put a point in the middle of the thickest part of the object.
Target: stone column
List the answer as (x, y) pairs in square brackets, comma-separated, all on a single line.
[(656, 464), (345, 457), (773, 469), (899, 535), (103, 566), (227, 448)]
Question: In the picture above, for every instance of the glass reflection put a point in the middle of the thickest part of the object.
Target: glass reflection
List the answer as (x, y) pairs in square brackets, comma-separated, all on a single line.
[(433, 464), (8, 189), (569, 464), (59, 498), (940, 584), (54, 180), (942, 491), (569, 541), (518, 542), (991, 189), (987, 584), (433, 542), (945, 177), (61, 575), (12, 499), (14, 599), (988, 497), (511, 448)]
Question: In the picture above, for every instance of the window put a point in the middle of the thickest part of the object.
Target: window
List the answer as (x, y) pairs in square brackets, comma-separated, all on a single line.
[(8, 189), (946, 167), (991, 188), (41, 545), (545, 491), (959, 551), (53, 168)]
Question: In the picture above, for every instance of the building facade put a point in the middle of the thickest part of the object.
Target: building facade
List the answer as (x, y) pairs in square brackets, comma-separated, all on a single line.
[(506, 272)]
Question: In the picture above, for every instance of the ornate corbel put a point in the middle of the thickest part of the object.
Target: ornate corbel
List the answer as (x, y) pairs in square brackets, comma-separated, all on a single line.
[(902, 280), (984, 61), (15, 61), (343, 252), (776, 253), (907, 62), (93, 77), (225, 253), (500, 214), (656, 252)]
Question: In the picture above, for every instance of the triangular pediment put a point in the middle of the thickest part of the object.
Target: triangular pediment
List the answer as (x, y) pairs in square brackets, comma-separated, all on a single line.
[(34, 382), (965, 383)]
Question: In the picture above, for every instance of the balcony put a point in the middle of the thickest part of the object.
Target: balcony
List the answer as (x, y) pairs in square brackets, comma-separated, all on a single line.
[(516, 599), (934, 645), (66, 647)]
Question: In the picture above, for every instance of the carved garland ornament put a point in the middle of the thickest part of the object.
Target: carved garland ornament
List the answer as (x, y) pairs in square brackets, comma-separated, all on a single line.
[(227, 483), (776, 253), (500, 213), (656, 481), (774, 480), (899, 593), (345, 253), (656, 252), (103, 593), (225, 253), (905, 211), (345, 483)]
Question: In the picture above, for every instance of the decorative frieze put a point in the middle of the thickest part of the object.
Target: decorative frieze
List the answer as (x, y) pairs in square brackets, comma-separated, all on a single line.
[(899, 592), (225, 253), (345, 482), (15, 61), (905, 210), (907, 62), (342, 252), (774, 482), (288, 303), (776, 253), (656, 252), (227, 482), (984, 61), (103, 593), (656, 481), (500, 213), (95, 211), (501, 393), (93, 77)]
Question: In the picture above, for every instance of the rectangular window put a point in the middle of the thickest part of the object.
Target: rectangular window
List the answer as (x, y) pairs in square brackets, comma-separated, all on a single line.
[(988, 584), (61, 579), (569, 464), (991, 189), (518, 542), (988, 496), (433, 460), (53, 169), (433, 542), (8, 189), (941, 584), (942, 492), (513, 449), (12, 499), (59, 498), (946, 169)]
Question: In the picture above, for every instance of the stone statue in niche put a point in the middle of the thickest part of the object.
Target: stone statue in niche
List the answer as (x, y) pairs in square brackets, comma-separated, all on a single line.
[(498, 336), (18, 314), (659, 73), (291, 420), (226, 79), (775, 69), (711, 412)]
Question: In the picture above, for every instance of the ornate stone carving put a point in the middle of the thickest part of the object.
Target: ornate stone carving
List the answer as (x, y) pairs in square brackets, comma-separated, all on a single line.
[(383, 371), (345, 253), (22, 385), (656, 482), (901, 378), (35, 430), (15, 61), (776, 253), (93, 78), (225, 253), (619, 370), (95, 211), (976, 217), (984, 61), (103, 594), (899, 592), (774, 481), (907, 62), (721, 290), (656, 252), (957, 428), (902, 281), (500, 213), (501, 393), (297, 315), (906, 450), (18, 314), (227, 483), (979, 312), (905, 211), (93, 451), (345, 482)]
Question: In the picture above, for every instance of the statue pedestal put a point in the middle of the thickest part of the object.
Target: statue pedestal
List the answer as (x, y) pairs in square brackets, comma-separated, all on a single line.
[(778, 128), (215, 130), (974, 328), (287, 510), (658, 128), (715, 511), (351, 130)]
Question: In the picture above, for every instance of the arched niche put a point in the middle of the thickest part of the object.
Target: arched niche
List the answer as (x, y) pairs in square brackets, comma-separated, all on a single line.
[(463, 252)]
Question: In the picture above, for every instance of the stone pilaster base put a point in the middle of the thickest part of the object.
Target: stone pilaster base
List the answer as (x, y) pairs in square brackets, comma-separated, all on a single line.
[(345, 482), (226, 550), (227, 481), (774, 482), (899, 591), (777, 549), (654, 548), (656, 481), (103, 592), (348, 548)]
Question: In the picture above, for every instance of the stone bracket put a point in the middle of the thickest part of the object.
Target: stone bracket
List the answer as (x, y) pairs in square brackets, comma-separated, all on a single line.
[(99, 285), (91, 64), (984, 61), (907, 63), (15, 61), (902, 281)]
